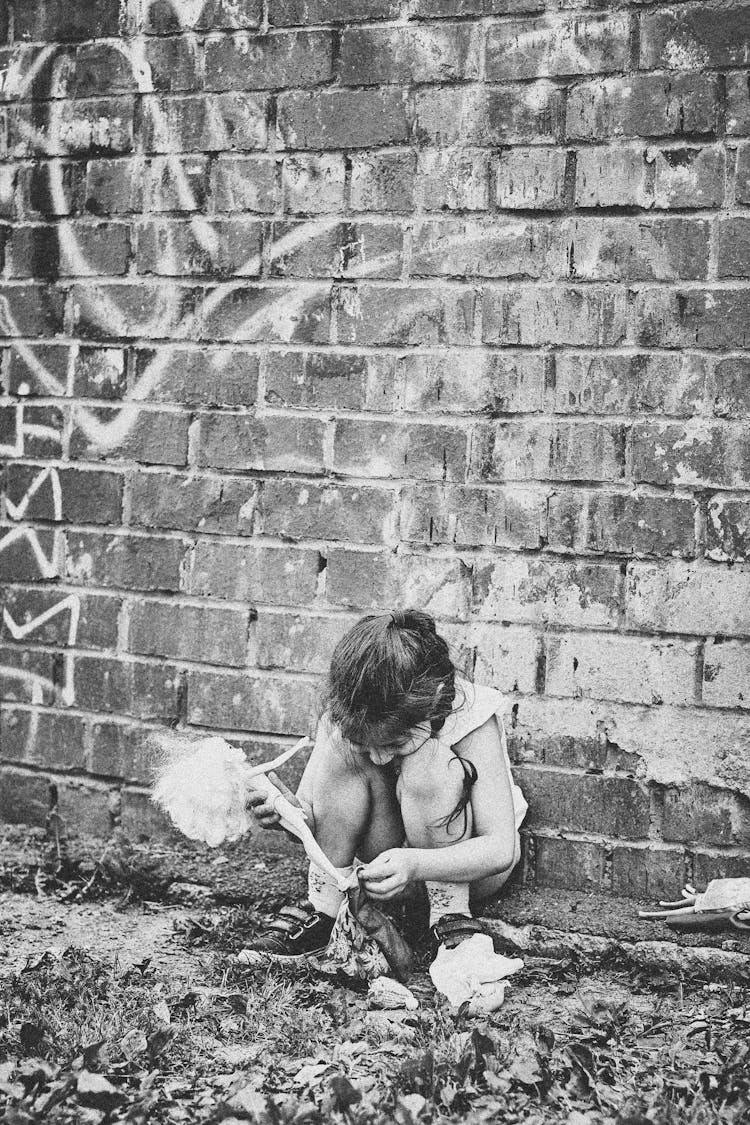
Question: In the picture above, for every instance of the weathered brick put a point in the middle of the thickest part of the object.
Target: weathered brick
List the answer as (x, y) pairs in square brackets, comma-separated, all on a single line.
[(623, 523), (530, 178), (178, 183), (704, 814), (32, 431), (738, 105), (557, 44), (21, 561), (29, 676), (501, 248), (282, 705), (384, 181), (397, 316), (601, 383), (544, 590), (34, 72), (154, 437), (210, 505), (240, 441), (591, 315), (31, 310), (330, 119), (86, 495), (379, 449), (564, 863), (94, 127), (680, 597), (297, 313), (472, 516), (706, 318), (288, 12), (249, 573), (647, 873), (212, 15), (43, 738), (174, 64), (430, 53), (636, 249), (330, 380), (176, 248), (726, 678), (452, 181), (113, 187), (630, 669), (147, 691), (313, 185), (335, 250), (24, 798), (363, 514), (696, 36), (294, 642), (488, 117), (123, 750), (21, 370), (101, 69), (612, 176), (244, 183), (205, 123), (609, 806), (721, 865), (644, 105), (193, 376), (50, 20), (97, 617), (742, 180), (287, 58), (368, 580), (126, 561), (504, 656), (52, 189), (688, 177), (728, 530), (123, 309), (732, 247), (698, 452), (210, 634), (468, 382), (85, 809), (535, 449), (100, 373), (142, 821)]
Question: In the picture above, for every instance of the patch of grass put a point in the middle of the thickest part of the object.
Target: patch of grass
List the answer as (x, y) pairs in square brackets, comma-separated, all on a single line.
[(84, 1041)]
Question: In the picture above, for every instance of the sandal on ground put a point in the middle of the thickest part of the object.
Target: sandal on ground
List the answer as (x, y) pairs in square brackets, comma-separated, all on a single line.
[(296, 933), (450, 930)]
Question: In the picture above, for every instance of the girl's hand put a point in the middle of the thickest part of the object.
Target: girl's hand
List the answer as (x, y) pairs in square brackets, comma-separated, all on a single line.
[(387, 875), (261, 805)]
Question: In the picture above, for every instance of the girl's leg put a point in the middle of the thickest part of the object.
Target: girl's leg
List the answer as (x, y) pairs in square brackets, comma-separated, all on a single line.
[(430, 786), (352, 803)]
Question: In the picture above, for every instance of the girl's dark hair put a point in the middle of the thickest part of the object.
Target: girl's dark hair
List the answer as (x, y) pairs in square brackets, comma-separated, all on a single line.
[(390, 671)]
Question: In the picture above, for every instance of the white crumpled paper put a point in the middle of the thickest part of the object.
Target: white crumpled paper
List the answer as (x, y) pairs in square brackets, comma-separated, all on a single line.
[(472, 972)]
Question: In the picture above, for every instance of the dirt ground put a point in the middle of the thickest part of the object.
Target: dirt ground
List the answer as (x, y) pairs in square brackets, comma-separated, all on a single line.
[(122, 1010)]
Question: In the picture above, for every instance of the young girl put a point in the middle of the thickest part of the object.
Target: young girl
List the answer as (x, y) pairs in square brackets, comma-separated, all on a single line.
[(410, 775)]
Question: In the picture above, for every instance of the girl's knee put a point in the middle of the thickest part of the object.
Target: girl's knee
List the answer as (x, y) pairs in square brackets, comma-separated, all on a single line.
[(431, 774)]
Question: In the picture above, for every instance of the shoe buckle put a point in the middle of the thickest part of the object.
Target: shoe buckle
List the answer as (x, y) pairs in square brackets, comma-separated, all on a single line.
[(311, 921), (295, 935)]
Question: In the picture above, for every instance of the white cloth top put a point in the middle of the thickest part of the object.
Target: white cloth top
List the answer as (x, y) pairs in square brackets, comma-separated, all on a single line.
[(475, 704)]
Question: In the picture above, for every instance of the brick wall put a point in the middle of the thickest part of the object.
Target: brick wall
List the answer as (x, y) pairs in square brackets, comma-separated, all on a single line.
[(313, 307)]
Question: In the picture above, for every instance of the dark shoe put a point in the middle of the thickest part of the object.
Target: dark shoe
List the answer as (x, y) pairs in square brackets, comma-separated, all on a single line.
[(451, 930), (297, 932)]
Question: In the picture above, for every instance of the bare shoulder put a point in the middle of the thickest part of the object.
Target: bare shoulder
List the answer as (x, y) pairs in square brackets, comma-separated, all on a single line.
[(483, 744)]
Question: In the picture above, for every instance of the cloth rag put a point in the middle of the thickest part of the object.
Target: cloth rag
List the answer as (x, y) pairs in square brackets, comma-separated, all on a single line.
[(472, 973)]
